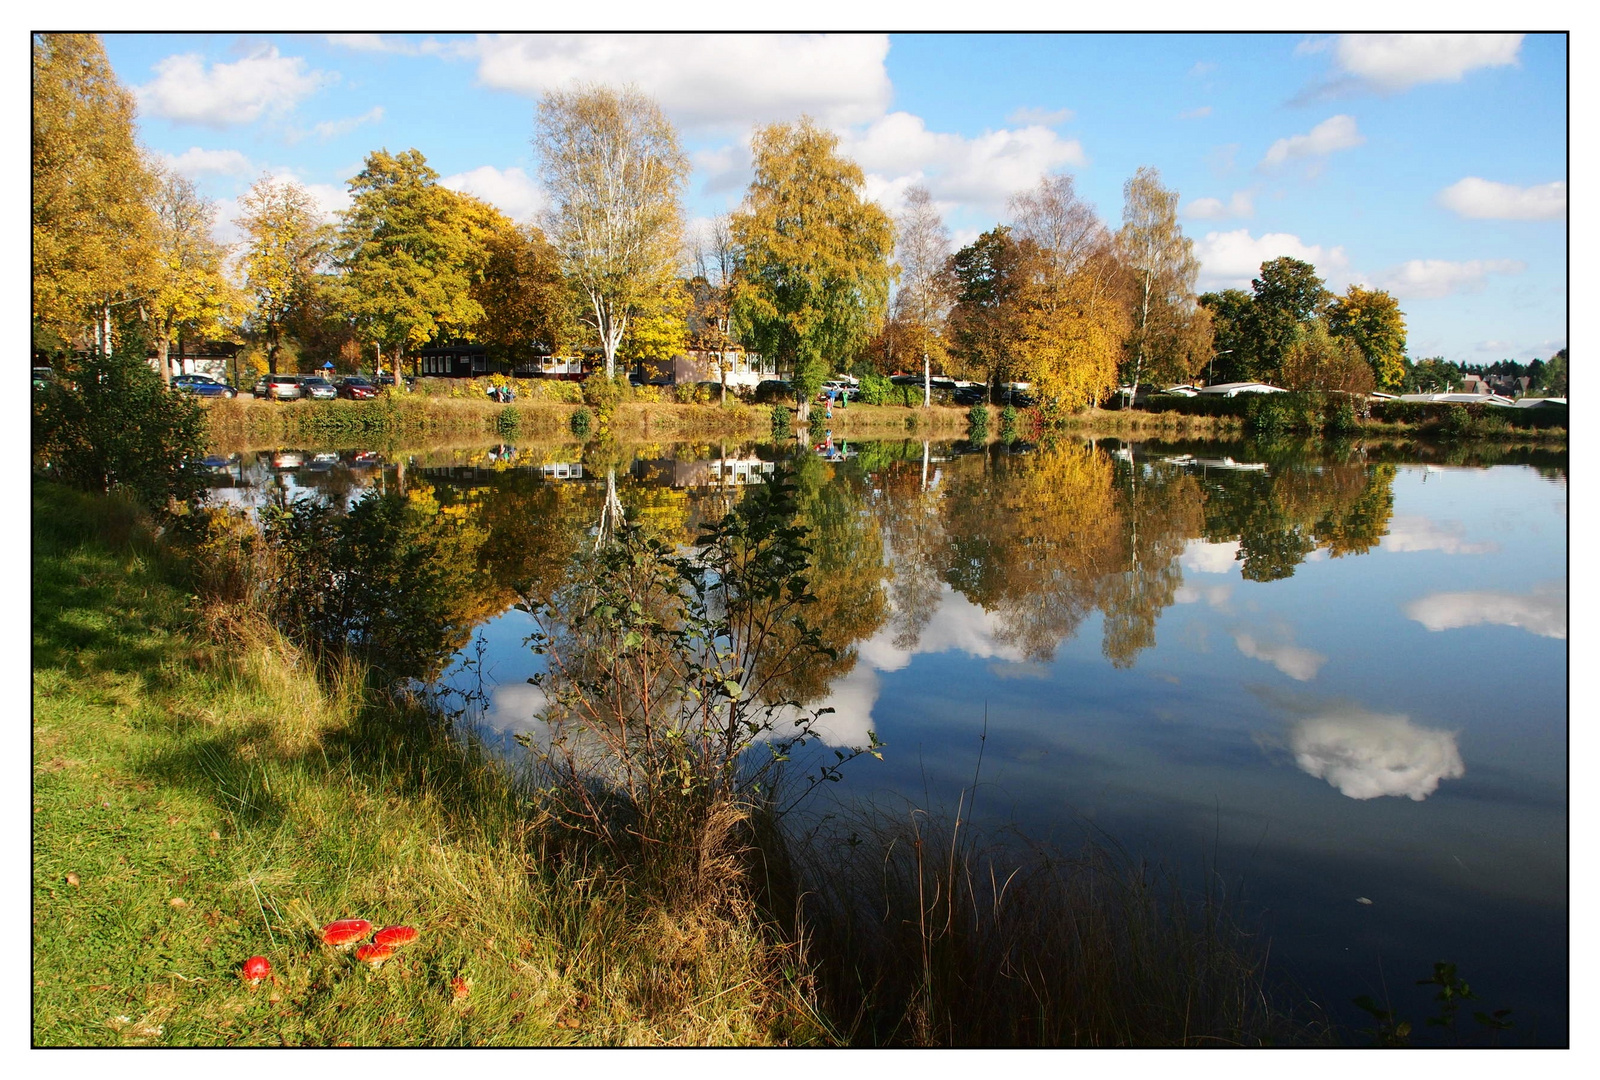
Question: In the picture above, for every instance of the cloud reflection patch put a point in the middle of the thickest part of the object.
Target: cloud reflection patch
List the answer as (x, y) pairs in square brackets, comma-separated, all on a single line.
[(1409, 532), (1542, 611), (1294, 661), (1365, 755)]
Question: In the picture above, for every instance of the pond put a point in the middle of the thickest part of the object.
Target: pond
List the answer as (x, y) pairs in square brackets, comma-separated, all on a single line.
[(1333, 679)]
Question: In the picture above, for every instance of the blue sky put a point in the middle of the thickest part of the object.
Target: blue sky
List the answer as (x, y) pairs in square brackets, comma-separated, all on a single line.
[(1435, 167)]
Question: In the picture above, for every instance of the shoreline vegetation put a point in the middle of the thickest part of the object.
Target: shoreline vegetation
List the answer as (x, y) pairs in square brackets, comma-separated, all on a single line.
[(236, 423), (205, 791)]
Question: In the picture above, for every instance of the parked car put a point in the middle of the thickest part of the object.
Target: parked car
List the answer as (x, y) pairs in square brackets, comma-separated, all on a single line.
[(356, 388), (387, 379), (317, 388), (42, 378), (203, 386), (278, 388), (971, 395)]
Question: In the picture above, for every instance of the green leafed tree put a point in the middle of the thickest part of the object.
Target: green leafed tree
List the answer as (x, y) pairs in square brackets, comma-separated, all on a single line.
[(614, 172), (93, 230), (287, 242), (1231, 357), (986, 320), (1371, 320), (1287, 293), (814, 279), (409, 255)]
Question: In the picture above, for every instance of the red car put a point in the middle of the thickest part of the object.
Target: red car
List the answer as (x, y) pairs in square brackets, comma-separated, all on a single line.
[(356, 388)]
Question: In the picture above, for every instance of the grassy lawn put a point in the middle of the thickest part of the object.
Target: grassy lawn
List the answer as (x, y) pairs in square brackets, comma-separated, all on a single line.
[(199, 798)]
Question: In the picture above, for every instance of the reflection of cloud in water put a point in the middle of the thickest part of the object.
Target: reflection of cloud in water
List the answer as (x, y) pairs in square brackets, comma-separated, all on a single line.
[(512, 708), (1216, 596), (1294, 661), (1409, 532), (1542, 612), (957, 625), (1202, 557), (1365, 755)]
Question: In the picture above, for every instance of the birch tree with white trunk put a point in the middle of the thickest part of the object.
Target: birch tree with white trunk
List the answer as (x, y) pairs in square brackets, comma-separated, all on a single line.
[(614, 173), (925, 295)]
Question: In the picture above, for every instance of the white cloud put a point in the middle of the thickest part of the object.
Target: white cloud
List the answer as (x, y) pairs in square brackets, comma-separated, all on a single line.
[(1240, 204), (1414, 533), (982, 172), (1474, 197), (1231, 259), (1030, 117), (1365, 755), (263, 83), (197, 162), (1542, 611), (1389, 63), (333, 129), (1335, 133), (511, 190), (1204, 557), (705, 80), (1294, 661), (1195, 114), (1428, 279), (1202, 68)]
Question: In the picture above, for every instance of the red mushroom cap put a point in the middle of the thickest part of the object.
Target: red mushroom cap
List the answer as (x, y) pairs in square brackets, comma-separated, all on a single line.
[(255, 969), (344, 931), (374, 954), (395, 935)]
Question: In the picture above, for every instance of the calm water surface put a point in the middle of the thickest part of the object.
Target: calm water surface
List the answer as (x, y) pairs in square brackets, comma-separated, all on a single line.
[(1326, 678)]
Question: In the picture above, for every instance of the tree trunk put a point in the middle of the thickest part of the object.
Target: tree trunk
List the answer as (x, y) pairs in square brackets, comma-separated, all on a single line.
[(927, 382), (163, 348)]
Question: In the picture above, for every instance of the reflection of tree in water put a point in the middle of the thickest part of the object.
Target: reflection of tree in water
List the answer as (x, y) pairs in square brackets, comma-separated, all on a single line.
[(1031, 537), (1282, 515), (912, 519), (1161, 504), (847, 571)]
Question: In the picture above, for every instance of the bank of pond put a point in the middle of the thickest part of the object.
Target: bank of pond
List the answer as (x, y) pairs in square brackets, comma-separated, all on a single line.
[(1095, 728)]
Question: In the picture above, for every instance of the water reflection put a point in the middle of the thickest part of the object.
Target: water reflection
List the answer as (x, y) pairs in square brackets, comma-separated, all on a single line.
[(1113, 607), (1543, 611), (1366, 755)]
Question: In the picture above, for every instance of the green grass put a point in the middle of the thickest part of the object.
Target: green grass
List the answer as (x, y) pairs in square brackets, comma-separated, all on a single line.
[(210, 801)]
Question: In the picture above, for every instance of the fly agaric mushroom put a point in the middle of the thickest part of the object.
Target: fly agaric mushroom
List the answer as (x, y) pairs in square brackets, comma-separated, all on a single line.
[(255, 969), (345, 932), (374, 954), (395, 935)]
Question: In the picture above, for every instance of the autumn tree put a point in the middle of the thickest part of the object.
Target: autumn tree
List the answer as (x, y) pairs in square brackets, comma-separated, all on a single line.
[(527, 306), (814, 281), (1171, 336), (922, 248), (613, 169), (93, 230), (989, 281), (1076, 289), (1318, 360), (1371, 319), (189, 292), (409, 255), (287, 243)]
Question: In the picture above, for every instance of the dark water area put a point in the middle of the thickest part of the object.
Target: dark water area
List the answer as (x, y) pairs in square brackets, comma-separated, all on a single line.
[(1333, 680)]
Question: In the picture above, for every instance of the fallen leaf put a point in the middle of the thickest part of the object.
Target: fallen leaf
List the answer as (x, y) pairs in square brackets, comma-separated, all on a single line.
[(72, 879), (178, 901), (215, 835)]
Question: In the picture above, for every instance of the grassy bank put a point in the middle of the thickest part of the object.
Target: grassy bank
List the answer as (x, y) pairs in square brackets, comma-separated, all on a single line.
[(200, 797), (203, 793)]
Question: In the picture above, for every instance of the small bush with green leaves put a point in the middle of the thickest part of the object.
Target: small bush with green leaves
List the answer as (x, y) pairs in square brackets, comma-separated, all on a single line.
[(110, 423), (978, 422), (582, 421), (782, 422)]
